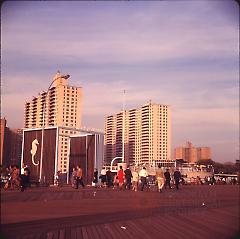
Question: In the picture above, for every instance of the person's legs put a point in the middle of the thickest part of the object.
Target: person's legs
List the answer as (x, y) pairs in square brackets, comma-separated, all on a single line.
[(77, 182), (129, 183), (23, 182), (81, 182), (143, 182), (158, 184), (177, 184), (134, 186), (120, 185), (168, 183), (161, 184)]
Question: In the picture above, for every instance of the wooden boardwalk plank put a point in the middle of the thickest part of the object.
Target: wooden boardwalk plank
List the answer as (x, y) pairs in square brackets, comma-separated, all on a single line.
[(140, 232), (61, 234), (207, 225), (90, 232), (128, 232), (168, 229), (95, 232), (171, 226), (120, 233), (159, 229), (79, 233), (111, 231), (103, 231), (84, 233), (67, 233), (73, 232)]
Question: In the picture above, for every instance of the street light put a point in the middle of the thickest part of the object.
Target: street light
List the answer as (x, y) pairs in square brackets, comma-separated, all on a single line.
[(58, 76)]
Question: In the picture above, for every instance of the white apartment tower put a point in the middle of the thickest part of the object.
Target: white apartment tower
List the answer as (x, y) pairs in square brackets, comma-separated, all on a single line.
[(61, 105), (147, 135)]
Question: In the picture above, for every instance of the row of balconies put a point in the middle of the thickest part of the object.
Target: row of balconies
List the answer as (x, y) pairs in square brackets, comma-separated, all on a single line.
[(52, 97), (110, 119)]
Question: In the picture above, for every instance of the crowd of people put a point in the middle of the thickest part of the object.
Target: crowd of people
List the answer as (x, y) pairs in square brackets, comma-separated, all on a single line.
[(134, 178), (129, 179), (14, 178)]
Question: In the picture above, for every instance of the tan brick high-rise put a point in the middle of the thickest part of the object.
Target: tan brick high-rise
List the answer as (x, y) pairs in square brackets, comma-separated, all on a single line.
[(63, 106), (147, 135)]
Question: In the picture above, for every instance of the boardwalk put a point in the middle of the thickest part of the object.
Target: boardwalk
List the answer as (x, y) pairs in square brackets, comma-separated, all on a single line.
[(199, 212)]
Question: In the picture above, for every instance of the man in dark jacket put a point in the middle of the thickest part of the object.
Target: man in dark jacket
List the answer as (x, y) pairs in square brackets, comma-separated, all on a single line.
[(109, 178), (25, 179), (167, 179), (177, 176), (128, 176)]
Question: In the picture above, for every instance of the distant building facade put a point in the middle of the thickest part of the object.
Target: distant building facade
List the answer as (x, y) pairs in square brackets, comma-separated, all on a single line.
[(61, 106), (3, 130), (146, 132), (192, 154), (11, 145)]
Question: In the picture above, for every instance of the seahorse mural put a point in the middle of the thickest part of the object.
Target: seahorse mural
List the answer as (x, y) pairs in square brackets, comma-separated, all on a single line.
[(34, 151)]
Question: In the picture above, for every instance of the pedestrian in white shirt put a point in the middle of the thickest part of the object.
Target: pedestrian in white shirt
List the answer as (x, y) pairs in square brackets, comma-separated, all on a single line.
[(143, 177), (103, 177), (135, 179)]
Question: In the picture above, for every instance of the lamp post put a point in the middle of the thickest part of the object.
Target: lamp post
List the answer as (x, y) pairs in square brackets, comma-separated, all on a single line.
[(58, 76)]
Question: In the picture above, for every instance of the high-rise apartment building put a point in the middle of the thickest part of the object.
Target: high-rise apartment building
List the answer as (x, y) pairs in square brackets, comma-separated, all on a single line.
[(146, 133), (203, 153), (61, 105), (3, 140), (192, 154), (11, 145)]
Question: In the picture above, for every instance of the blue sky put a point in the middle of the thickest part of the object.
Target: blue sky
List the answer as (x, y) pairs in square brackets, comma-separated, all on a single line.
[(181, 53)]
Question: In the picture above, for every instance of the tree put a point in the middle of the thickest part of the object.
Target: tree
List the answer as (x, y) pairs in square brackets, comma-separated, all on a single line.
[(228, 167)]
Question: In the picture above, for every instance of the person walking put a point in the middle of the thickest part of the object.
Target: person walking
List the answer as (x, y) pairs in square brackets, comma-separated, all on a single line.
[(109, 178), (120, 175), (143, 177), (177, 176), (160, 179), (79, 176), (135, 179), (103, 177), (15, 177), (58, 181), (73, 178), (25, 182), (95, 178), (128, 176), (167, 179)]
